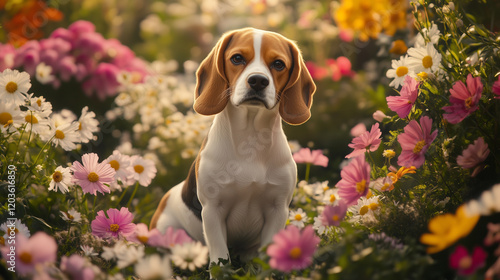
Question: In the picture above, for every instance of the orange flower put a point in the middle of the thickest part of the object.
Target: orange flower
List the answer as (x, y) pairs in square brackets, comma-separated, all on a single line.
[(401, 172), (398, 47)]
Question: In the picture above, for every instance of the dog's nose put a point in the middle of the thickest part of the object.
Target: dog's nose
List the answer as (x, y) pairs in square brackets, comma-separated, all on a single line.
[(258, 82)]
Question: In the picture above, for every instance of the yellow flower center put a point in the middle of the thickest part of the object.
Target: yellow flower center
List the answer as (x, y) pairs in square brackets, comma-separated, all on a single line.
[(79, 125), (115, 164), (361, 186), (332, 198), (335, 218), (11, 87), (389, 153), (5, 117), (401, 71), (427, 61), (295, 253), (114, 227), (468, 103), (423, 75), (2, 241), (57, 176), (363, 210), (139, 168), (374, 206), (143, 239), (59, 134), (465, 262), (419, 146), (385, 186), (369, 193), (25, 257), (39, 102), (93, 177), (298, 217), (31, 119)]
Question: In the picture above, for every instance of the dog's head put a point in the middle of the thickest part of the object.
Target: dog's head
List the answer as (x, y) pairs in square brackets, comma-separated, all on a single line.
[(250, 67)]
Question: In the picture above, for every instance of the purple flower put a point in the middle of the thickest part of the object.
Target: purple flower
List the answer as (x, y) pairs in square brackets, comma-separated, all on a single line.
[(403, 103), (103, 81), (464, 99), (367, 141), (355, 180), (115, 224), (333, 215), (292, 249)]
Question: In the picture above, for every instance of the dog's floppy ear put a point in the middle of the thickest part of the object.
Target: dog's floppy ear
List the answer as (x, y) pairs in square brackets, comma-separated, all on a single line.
[(211, 83), (296, 98)]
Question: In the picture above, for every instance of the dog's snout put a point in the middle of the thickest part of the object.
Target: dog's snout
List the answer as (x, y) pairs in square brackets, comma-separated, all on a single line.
[(258, 82)]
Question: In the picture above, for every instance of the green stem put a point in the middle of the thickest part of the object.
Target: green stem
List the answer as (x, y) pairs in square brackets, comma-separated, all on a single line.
[(93, 206), (308, 169), (133, 194), (121, 197)]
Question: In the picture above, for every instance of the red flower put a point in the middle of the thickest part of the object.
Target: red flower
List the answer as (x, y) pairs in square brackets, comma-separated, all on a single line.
[(466, 264)]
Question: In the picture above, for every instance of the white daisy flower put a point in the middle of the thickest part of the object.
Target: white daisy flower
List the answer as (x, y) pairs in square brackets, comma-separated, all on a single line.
[(123, 99), (154, 267), (122, 165), (88, 125), (10, 117), (400, 69), (39, 105), (61, 179), (382, 184), (71, 216), (189, 255), (297, 218), (431, 35), (486, 204), (144, 170), (160, 82), (128, 255), (19, 228), (65, 135), (14, 86), (88, 251), (35, 122), (331, 197), (44, 73), (315, 190), (364, 212), (424, 59), (319, 226), (125, 78), (189, 153)]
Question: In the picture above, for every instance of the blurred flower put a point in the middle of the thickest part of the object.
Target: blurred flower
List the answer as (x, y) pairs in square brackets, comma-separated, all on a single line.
[(415, 141), (189, 255), (367, 141), (38, 250), (333, 215), (7, 54), (76, 267), (431, 36), (10, 117), (398, 47), (115, 223), (358, 129), (474, 155), (39, 105), (61, 179), (88, 251), (403, 103), (379, 116), (44, 73), (488, 202), (424, 59), (19, 229), (447, 228), (292, 249), (294, 145), (170, 238), (127, 254), (297, 218), (400, 72), (144, 170), (71, 215), (335, 68), (65, 135), (315, 157), (464, 99), (14, 86), (142, 234), (154, 267), (496, 88), (389, 153), (331, 197), (383, 184), (88, 125), (466, 264), (493, 235), (92, 175), (355, 180)]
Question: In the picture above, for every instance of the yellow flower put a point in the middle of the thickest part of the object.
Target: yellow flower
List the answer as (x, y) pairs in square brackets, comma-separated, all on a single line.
[(401, 172), (446, 229), (398, 47)]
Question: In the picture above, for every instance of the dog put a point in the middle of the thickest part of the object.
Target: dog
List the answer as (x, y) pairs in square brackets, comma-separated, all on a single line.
[(239, 187)]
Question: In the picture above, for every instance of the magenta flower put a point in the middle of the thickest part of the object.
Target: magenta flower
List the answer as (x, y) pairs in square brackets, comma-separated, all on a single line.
[(76, 267), (30, 253), (315, 157), (333, 215), (114, 224), (474, 155), (171, 237), (142, 234), (355, 180), (496, 88), (464, 99), (466, 264), (415, 141), (292, 249), (367, 141), (403, 103), (92, 175)]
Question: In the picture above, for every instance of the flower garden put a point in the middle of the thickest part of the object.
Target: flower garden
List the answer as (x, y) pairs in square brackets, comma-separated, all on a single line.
[(398, 167)]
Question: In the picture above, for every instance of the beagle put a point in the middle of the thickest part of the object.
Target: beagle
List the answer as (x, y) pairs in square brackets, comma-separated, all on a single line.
[(240, 185)]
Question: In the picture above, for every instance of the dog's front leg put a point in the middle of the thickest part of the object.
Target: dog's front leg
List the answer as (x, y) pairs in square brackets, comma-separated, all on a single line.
[(214, 228), (275, 218)]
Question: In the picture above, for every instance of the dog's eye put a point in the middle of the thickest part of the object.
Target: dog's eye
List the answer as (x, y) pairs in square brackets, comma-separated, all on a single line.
[(237, 59), (278, 65)]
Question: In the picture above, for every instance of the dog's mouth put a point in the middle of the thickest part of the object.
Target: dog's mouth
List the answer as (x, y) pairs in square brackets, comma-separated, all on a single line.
[(254, 98)]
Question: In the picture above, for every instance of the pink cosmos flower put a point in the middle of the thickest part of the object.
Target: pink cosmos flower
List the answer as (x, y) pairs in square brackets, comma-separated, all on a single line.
[(39, 249), (474, 155), (76, 267), (333, 215), (415, 141), (367, 141), (142, 234), (292, 249), (355, 180), (464, 99), (115, 224), (358, 129), (92, 175), (496, 88), (315, 157), (466, 264), (403, 103), (171, 237)]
